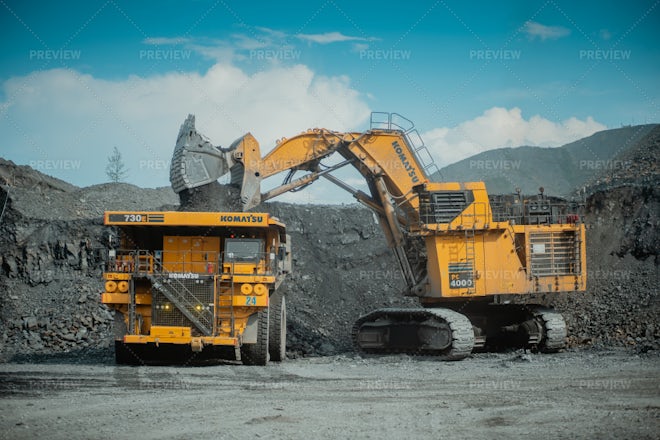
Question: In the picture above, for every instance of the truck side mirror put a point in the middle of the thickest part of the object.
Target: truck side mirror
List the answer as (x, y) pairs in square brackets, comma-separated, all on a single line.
[(281, 252)]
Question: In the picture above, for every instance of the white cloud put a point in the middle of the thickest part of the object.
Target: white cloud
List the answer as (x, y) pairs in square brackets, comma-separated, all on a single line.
[(534, 30), (501, 127), (329, 37), (66, 123)]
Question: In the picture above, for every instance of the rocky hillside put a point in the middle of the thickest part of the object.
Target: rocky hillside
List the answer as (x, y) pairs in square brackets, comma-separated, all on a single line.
[(622, 303), (49, 289), (559, 170)]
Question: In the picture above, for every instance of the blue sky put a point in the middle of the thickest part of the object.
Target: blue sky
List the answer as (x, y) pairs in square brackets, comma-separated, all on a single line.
[(77, 80)]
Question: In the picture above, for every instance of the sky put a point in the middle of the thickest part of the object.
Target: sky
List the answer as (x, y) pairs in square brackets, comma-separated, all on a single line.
[(80, 78)]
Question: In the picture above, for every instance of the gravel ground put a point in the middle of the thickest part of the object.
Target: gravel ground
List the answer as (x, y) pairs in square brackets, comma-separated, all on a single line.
[(573, 395)]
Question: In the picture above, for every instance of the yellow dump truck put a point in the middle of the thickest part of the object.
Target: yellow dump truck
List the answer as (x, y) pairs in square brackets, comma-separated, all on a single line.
[(191, 287)]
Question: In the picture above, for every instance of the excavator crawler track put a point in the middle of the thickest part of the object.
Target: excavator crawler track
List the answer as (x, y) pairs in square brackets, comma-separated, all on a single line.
[(442, 333)]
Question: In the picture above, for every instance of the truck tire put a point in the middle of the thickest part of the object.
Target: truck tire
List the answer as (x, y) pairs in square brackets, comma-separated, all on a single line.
[(257, 354), (277, 335)]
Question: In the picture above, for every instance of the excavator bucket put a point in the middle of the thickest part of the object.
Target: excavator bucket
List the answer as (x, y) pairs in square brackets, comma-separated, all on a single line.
[(196, 161)]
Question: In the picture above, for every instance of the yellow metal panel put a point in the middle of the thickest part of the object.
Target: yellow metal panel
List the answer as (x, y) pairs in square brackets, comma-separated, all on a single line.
[(170, 243), (220, 340), (177, 218), (250, 278), (116, 276), (250, 301), (239, 268), (211, 244), (171, 261), (180, 340), (190, 254), (123, 298), (389, 151), (137, 339), (170, 332), (498, 267), (443, 186)]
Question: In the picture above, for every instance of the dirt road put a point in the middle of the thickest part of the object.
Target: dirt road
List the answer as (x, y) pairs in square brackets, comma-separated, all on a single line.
[(586, 394)]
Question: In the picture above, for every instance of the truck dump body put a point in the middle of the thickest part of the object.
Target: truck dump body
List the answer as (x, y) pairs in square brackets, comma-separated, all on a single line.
[(195, 285)]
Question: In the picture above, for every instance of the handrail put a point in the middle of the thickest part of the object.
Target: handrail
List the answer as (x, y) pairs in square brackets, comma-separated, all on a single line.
[(396, 122), (153, 261), (556, 213)]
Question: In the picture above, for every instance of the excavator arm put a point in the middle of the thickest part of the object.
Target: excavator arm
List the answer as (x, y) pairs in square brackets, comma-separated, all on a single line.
[(386, 156)]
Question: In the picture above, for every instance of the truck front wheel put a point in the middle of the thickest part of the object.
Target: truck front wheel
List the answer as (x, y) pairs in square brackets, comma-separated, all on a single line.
[(277, 347), (257, 354)]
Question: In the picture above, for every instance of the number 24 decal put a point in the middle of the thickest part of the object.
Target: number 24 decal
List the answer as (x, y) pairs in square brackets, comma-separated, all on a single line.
[(250, 300)]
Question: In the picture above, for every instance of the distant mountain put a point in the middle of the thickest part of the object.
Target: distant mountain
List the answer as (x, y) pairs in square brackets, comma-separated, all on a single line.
[(559, 170)]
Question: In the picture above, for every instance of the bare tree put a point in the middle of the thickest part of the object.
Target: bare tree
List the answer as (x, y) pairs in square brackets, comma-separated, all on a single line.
[(115, 169)]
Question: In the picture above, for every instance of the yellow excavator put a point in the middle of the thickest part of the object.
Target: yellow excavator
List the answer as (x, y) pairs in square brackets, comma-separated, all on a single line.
[(469, 258)]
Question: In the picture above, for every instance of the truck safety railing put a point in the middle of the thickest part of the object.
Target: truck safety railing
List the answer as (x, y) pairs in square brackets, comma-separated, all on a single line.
[(262, 263), (141, 261), (156, 261)]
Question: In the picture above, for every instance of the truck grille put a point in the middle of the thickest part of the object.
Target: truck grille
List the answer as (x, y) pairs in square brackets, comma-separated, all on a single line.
[(198, 301)]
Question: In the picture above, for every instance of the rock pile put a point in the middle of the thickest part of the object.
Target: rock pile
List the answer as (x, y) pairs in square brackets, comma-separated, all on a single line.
[(622, 302), (52, 241)]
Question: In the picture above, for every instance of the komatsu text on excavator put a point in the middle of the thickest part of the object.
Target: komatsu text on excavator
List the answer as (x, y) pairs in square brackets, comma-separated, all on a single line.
[(468, 257)]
